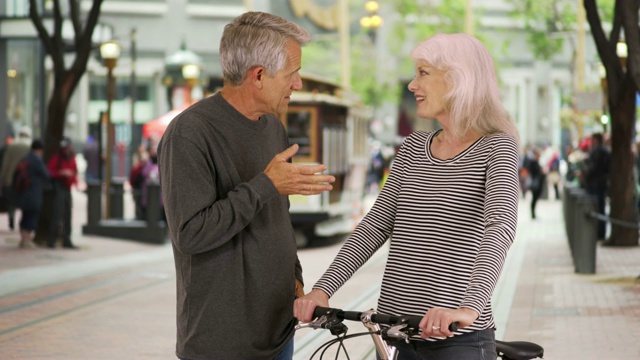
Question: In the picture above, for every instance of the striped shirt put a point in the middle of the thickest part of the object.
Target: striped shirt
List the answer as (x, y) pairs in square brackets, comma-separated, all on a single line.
[(451, 223)]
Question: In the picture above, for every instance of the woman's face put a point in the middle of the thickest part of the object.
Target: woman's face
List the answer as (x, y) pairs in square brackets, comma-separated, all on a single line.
[(429, 88)]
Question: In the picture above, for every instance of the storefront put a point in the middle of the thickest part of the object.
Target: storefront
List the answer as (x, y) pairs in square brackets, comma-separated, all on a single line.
[(21, 92)]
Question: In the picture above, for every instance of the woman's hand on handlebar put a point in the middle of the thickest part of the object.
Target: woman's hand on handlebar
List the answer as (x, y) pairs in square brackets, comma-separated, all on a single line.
[(303, 307), (436, 321)]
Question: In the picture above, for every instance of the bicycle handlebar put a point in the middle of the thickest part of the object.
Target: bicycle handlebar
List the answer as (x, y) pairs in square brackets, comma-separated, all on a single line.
[(411, 321)]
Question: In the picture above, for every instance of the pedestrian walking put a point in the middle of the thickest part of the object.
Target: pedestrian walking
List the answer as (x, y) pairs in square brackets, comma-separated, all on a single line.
[(14, 152), (29, 198)]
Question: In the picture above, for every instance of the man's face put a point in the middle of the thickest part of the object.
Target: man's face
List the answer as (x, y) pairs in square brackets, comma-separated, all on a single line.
[(276, 93)]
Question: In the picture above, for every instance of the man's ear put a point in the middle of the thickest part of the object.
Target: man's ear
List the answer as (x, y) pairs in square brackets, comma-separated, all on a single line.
[(257, 74)]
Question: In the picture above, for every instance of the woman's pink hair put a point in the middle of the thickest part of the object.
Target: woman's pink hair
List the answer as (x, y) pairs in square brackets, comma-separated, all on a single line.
[(474, 103)]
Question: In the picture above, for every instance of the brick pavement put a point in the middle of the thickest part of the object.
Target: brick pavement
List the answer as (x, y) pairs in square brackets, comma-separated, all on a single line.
[(573, 316)]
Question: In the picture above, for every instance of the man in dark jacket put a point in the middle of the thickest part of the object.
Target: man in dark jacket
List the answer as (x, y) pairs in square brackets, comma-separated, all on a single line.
[(596, 177), (29, 199)]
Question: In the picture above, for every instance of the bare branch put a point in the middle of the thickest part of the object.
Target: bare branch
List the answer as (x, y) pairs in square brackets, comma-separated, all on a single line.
[(57, 56), (629, 14), (75, 20), (84, 43), (42, 31)]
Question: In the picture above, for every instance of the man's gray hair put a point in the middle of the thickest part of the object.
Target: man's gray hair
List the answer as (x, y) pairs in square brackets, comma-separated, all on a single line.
[(257, 39)]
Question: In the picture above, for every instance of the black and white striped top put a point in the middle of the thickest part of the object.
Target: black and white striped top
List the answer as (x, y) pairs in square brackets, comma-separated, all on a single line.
[(451, 223)]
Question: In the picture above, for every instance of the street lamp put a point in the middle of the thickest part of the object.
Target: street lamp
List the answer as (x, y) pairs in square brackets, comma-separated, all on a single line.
[(372, 21), (182, 73), (109, 52), (621, 51), (191, 75)]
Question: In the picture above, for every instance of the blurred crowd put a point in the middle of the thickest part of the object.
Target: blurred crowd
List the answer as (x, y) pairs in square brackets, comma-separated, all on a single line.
[(544, 170)]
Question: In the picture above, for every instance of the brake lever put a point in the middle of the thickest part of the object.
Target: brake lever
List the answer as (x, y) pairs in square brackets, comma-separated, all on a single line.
[(335, 326), (397, 332)]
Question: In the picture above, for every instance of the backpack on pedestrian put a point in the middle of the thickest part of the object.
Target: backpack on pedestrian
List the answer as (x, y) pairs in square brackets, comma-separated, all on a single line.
[(21, 179)]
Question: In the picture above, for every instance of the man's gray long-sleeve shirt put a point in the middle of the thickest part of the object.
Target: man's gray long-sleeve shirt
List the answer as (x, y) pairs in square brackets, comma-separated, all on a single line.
[(233, 244)]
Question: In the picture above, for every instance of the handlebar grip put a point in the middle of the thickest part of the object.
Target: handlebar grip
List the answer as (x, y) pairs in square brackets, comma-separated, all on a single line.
[(320, 311)]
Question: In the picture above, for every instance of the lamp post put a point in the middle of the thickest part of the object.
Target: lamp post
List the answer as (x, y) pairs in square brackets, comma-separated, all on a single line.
[(191, 75), (604, 118), (109, 52), (182, 72), (371, 21)]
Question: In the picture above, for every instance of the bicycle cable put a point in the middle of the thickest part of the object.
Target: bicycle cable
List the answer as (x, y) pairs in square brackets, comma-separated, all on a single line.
[(338, 339)]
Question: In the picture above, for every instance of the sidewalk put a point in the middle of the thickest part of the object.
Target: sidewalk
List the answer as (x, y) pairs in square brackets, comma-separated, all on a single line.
[(539, 297), (573, 316)]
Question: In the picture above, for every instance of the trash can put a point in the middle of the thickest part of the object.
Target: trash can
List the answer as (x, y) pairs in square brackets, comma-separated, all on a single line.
[(586, 232), (116, 193), (94, 202), (570, 210)]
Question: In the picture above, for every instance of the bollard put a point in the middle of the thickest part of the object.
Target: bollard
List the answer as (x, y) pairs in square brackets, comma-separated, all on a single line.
[(574, 216), (153, 205), (116, 210), (584, 257), (94, 202)]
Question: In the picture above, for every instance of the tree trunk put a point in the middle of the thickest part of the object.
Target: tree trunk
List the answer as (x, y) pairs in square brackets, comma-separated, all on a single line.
[(622, 193), (57, 111)]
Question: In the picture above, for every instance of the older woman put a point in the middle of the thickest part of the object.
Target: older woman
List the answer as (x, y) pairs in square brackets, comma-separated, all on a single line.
[(450, 208)]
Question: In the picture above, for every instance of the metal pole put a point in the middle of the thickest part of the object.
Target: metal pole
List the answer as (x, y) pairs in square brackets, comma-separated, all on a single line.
[(345, 56), (109, 156), (133, 138)]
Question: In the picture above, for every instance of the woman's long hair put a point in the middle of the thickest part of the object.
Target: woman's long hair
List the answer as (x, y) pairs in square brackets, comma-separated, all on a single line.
[(474, 102)]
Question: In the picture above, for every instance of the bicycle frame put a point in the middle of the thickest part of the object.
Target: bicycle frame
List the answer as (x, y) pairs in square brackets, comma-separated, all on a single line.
[(385, 351)]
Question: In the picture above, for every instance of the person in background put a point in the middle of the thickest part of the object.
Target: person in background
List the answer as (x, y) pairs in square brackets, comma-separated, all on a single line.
[(91, 154), (595, 175), (449, 208), (64, 173), (30, 200), (538, 179), (3, 200), (136, 180), (150, 176), (225, 173), (14, 152)]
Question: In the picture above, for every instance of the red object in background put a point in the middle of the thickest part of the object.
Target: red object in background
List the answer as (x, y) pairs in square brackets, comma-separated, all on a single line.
[(156, 127), (585, 144)]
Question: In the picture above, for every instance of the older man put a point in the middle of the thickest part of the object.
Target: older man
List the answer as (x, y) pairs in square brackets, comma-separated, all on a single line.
[(225, 175)]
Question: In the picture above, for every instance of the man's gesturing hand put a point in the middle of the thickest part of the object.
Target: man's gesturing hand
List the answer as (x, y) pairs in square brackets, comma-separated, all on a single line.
[(297, 179)]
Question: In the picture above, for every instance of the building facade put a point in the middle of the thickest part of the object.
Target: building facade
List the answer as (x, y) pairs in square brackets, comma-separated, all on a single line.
[(152, 32)]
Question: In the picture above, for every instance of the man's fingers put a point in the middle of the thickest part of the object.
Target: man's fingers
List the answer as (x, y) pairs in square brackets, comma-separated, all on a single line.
[(288, 153), (311, 169)]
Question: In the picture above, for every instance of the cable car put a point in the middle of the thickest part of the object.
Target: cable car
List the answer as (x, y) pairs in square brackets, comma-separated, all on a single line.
[(330, 126)]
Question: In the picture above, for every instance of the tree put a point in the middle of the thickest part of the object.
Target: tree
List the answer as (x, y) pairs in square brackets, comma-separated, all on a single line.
[(548, 25), (623, 82), (65, 79)]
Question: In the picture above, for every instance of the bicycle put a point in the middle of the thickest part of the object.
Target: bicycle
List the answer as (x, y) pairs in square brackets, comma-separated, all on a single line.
[(400, 328)]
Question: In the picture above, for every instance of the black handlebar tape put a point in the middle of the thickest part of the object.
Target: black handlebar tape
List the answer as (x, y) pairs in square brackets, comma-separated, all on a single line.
[(350, 315), (320, 311)]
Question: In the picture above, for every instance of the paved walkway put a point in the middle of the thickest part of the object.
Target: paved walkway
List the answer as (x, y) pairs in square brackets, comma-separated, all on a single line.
[(539, 297)]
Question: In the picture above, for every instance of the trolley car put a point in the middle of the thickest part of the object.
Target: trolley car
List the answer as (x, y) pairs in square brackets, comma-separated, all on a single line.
[(331, 128)]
